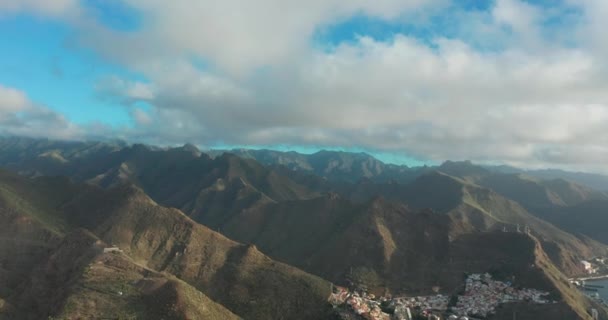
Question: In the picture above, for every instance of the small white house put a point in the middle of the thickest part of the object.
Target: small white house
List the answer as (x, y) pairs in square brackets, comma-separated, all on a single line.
[(589, 268), (112, 249)]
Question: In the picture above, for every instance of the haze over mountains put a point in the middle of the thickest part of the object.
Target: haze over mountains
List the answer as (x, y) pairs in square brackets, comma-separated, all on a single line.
[(261, 234)]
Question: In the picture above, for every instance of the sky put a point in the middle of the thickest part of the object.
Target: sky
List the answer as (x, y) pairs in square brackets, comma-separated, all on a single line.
[(412, 81)]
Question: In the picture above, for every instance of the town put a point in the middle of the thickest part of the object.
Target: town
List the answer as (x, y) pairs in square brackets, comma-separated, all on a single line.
[(595, 269), (481, 296)]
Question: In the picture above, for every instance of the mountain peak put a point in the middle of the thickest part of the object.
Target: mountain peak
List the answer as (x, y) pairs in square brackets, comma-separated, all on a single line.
[(190, 147), (462, 168)]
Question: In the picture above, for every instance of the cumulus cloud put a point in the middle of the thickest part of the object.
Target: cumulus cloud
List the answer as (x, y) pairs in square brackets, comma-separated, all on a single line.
[(19, 116), (517, 14), (236, 35), (242, 72), (12, 100), (141, 117), (42, 7), (444, 102), (127, 92)]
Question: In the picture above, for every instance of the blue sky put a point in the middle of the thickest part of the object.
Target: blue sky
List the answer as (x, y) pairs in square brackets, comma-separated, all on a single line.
[(38, 56), (409, 81)]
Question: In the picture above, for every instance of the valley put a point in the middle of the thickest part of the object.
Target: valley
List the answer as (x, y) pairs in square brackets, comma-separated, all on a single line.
[(228, 237)]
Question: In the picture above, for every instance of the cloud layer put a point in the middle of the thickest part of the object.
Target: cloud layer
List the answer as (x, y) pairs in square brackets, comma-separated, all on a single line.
[(19, 116), (517, 83)]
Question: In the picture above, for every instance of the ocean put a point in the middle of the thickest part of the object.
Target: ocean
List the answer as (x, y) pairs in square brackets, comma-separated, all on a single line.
[(603, 292)]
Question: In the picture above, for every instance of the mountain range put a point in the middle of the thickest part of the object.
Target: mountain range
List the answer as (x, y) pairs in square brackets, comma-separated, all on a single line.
[(261, 234)]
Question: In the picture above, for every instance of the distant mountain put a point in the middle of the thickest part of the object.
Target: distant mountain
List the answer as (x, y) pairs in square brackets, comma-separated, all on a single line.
[(574, 208), (590, 180), (219, 192), (529, 191), (207, 189), (332, 165), (588, 218), (342, 217), (535, 193), (28, 155)]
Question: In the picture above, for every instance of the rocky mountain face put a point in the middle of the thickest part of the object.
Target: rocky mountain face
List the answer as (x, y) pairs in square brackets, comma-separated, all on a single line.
[(332, 165), (163, 253), (263, 234)]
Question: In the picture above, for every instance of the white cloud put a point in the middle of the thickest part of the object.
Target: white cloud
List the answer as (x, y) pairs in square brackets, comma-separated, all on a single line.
[(447, 102), (12, 100), (42, 7), (19, 116), (128, 91), (141, 117), (517, 14), (236, 35), (534, 99)]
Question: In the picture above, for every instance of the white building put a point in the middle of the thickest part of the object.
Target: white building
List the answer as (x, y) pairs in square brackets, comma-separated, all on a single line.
[(589, 268), (594, 314), (112, 249)]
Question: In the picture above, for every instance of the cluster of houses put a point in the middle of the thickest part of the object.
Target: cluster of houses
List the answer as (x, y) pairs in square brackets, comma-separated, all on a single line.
[(427, 306), (589, 267), (595, 266), (481, 296), (360, 303)]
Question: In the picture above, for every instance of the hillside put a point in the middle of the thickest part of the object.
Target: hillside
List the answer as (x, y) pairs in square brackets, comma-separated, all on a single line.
[(216, 192), (520, 258), (534, 193), (79, 281), (472, 208), (590, 180), (331, 236), (588, 218), (46, 273), (156, 238), (530, 192), (388, 247), (230, 273), (26, 240)]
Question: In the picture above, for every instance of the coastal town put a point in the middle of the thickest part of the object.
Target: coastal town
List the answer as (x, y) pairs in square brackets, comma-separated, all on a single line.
[(481, 296), (595, 269)]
